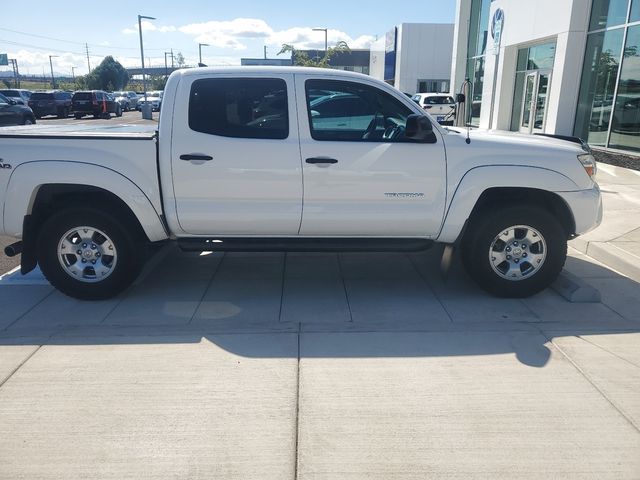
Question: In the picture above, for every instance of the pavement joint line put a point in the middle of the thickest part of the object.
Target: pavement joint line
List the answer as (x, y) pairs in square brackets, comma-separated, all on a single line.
[(206, 290), (592, 382), (297, 422), (430, 287), (28, 310), (608, 351), (344, 287), (284, 273), (13, 372)]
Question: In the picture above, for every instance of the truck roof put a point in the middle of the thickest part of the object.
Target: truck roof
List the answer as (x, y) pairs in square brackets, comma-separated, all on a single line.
[(248, 70)]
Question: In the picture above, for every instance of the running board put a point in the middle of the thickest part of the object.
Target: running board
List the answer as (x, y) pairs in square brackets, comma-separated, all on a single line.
[(253, 244)]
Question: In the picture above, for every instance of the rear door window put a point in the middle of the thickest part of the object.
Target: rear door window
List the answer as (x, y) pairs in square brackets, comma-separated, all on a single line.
[(240, 107)]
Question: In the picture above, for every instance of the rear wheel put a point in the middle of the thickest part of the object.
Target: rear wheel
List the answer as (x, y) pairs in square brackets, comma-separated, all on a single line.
[(78, 116), (118, 111), (88, 254), (515, 251), (28, 120)]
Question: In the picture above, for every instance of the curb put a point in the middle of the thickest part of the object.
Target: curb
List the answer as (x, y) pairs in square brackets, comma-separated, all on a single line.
[(616, 258)]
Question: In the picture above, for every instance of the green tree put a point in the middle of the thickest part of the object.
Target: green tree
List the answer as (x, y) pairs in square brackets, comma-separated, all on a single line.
[(180, 60), (156, 82), (301, 59), (109, 75)]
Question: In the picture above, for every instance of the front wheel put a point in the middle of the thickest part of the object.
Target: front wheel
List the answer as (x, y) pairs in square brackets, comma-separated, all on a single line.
[(514, 252), (88, 254)]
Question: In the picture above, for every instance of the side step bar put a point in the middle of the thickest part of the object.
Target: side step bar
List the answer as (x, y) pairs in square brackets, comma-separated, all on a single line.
[(253, 244)]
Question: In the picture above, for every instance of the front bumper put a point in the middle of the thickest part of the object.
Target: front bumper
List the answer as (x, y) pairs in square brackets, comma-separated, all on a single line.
[(586, 206)]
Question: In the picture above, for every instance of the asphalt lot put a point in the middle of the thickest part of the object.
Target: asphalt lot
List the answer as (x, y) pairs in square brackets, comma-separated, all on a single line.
[(322, 366)]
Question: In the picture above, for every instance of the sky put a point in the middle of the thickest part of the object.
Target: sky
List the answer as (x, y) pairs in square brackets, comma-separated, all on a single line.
[(233, 30)]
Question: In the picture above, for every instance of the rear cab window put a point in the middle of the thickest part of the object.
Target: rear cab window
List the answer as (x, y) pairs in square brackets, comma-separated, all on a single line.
[(240, 107)]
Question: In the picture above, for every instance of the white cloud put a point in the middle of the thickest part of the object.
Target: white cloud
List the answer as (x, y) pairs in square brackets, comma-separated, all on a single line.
[(148, 26), (233, 34)]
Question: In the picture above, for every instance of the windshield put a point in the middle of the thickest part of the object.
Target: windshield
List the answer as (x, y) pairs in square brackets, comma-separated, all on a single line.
[(439, 100), (10, 93)]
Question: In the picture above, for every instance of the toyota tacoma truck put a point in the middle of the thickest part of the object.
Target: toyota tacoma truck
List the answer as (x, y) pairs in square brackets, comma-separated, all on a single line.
[(290, 159)]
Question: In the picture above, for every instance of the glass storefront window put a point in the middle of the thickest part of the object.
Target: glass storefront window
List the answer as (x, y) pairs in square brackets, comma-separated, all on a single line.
[(477, 82), (625, 123), (607, 13), (541, 57), (599, 74), (635, 11)]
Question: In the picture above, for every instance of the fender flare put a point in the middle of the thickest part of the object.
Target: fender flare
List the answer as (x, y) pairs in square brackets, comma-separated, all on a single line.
[(479, 179), (27, 179)]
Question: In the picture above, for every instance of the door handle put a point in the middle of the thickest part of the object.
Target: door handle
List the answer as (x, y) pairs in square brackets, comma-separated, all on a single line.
[(190, 157), (320, 160)]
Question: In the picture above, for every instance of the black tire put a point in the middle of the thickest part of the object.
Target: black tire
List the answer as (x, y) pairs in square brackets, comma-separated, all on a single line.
[(118, 111), (78, 116), (485, 227), (28, 120), (127, 245)]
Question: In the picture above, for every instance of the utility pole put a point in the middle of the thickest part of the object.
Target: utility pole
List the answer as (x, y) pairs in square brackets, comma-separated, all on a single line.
[(200, 45), (144, 77), (16, 73), (172, 66), (265, 52), (73, 74), (86, 47), (53, 80), (326, 39)]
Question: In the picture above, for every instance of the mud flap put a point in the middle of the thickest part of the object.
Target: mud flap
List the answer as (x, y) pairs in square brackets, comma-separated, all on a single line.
[(29, 259)]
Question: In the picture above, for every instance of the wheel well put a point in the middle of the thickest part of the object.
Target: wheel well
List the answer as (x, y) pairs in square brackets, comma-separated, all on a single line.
[(549, 201), (55, 197)]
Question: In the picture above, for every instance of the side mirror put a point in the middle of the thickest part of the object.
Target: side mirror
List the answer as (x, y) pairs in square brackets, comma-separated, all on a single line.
[(315, 113), (460, 98), (12, 102), (419, 129)]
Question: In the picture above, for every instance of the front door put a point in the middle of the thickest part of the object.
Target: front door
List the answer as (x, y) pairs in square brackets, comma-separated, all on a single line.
[(362, 176), (236, 157), (534, 102)]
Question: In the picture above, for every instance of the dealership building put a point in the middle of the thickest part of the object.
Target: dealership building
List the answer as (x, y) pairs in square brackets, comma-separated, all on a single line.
[(569, 67), (414, 57)]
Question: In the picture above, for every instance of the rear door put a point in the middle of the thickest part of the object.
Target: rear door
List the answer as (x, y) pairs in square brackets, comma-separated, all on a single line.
[(236, 155), (362, 176)]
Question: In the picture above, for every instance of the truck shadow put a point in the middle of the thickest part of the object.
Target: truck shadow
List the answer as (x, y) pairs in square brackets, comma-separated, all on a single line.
[(345, 305)]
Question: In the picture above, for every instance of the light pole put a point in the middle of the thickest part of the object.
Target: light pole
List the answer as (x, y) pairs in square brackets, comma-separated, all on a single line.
[(73, 74), (200, 45), (144, 78), (326, 39), (53, 80)]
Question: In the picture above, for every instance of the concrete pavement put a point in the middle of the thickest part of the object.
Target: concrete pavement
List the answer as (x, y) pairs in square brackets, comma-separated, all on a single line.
[(346, 366)]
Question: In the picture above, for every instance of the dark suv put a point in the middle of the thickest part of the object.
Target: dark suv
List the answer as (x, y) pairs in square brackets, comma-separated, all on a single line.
[(95, 102), (13, 114), (54, 102)]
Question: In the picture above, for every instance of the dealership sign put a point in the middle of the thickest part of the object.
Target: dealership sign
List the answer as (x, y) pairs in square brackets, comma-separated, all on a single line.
[(4, 60), (497, 21)]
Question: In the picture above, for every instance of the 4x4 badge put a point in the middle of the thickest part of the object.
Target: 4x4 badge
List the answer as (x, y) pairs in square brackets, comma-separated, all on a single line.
[(4, 165)]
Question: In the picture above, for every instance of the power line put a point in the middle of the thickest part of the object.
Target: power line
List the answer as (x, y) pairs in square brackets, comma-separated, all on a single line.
[(72, 42)]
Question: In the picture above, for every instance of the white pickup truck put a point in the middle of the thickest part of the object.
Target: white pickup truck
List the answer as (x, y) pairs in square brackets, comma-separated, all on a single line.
[(290, 159)]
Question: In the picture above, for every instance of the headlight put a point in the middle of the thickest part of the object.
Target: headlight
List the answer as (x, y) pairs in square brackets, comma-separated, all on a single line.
[(588, 163)]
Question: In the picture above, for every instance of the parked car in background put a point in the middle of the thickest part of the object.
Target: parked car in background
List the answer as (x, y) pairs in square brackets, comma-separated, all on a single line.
[(11, 113), (127, 100), (20, 95), (98, 103), (51, 102), (154, 98), (439, 105)]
